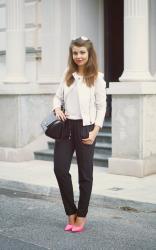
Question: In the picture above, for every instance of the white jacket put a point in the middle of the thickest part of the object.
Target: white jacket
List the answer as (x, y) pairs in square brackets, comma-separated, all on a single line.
[(92, 99)]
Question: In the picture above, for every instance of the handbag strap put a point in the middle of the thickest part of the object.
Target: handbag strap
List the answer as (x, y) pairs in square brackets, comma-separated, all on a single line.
[(63, 103)]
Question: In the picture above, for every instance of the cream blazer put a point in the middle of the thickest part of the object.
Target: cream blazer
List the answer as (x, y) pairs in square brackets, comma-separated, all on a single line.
[(92, 99)]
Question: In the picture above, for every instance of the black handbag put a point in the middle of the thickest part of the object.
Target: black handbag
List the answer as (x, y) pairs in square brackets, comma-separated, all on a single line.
[(53, 127)]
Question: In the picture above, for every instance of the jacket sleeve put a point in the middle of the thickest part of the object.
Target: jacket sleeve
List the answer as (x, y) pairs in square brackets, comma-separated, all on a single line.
[(100, 101), (59, 96)]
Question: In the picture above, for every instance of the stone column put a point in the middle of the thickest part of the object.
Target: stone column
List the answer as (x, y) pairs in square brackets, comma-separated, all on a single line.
[(134, 99), (73, 18), (15, 48), (51, 37), (136, 41), (22, 106)]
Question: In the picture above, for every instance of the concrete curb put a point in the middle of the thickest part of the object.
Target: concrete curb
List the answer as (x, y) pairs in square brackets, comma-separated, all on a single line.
[(50, 193)]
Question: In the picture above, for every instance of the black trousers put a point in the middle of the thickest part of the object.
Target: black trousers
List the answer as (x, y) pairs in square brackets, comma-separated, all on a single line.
[(63, 153)]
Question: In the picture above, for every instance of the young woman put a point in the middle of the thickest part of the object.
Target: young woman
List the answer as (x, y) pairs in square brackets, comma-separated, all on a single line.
[(83, 92)]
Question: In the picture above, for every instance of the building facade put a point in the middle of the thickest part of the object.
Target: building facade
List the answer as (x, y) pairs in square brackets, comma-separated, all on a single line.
[(34, 40)]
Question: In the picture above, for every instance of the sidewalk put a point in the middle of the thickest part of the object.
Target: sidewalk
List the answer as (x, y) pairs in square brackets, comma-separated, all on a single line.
[(38, 177)]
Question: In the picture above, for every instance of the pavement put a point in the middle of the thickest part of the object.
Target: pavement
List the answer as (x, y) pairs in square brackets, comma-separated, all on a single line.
[(34, 222), (38, 177)]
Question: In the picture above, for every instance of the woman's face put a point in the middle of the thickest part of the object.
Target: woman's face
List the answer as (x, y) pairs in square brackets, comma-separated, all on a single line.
[(80, 55)]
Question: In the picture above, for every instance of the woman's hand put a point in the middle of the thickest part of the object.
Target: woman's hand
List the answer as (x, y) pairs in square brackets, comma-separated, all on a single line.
[(92, 135), (59, 114)]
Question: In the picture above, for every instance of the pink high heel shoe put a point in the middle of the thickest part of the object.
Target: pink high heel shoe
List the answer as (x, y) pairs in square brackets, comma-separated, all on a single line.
[(77, 229), (68, 227)]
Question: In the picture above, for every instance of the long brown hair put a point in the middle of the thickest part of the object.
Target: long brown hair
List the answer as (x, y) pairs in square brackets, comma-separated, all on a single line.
[(91, 67)]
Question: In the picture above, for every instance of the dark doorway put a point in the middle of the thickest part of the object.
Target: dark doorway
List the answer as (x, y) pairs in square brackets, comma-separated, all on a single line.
[(113, 43)]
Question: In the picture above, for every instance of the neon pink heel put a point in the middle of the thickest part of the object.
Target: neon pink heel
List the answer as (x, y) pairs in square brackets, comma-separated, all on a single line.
[(68, 227), (77, 229)]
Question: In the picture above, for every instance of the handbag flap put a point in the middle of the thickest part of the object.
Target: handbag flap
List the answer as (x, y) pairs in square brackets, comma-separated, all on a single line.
[(47, 121)]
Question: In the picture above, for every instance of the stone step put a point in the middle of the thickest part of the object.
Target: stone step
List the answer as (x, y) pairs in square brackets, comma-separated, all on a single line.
[(107, 127), (103, 147), (105, 137), (100, 147), (45, 155), (48, 155)]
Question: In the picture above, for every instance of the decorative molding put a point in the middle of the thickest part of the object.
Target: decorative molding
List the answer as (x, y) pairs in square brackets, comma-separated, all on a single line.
[(135, 8), (15, 37), (2, 5), (73, 21), (132, 88), (31, 1), (33, 50), (29, 50), (27, 89), (32, 25), (27, 26), (2, 52), (136, 42), (15, 22), (2, 29)]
